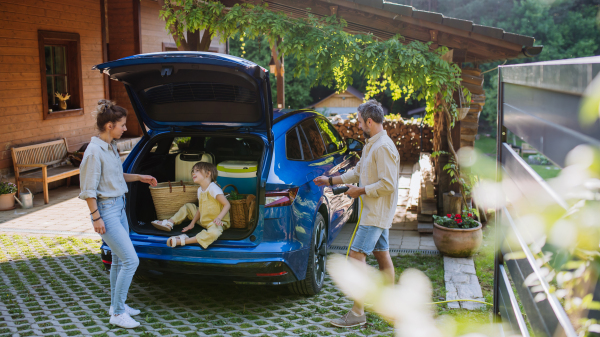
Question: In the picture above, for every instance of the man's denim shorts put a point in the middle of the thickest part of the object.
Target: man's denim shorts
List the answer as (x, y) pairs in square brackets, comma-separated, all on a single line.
[(371, 238)]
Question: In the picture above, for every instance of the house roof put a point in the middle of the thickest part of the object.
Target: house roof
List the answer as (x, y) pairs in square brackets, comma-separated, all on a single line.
[(384, 19), (351, 90)]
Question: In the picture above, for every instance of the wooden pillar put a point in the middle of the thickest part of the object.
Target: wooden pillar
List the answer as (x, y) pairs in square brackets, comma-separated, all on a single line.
[(279, 74), (280, 86)]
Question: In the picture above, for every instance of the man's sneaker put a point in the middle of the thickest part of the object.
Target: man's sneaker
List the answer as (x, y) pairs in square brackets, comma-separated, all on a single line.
[(131, 311), (124, 321), (349, 320)]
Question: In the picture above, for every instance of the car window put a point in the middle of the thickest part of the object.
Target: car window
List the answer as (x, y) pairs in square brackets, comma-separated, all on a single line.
[(332, 139), (314, 138), (292, 145), (304, 144)]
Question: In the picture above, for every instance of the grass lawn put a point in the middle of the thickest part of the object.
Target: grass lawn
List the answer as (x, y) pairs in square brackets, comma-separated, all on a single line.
[(546, 171), (433, 267), (486, 144)]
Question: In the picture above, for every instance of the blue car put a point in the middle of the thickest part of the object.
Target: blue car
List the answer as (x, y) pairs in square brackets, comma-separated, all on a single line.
[(223, 104)]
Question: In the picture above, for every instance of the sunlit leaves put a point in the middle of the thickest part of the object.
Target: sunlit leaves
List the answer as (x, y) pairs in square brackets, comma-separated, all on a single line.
[(407, 70)]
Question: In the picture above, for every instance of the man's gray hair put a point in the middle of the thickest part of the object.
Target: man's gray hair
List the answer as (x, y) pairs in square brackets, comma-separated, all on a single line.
[(371, 109)]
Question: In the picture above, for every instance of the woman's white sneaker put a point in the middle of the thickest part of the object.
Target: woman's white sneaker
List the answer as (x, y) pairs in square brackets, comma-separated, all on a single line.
[(124, 321), (131, 311)]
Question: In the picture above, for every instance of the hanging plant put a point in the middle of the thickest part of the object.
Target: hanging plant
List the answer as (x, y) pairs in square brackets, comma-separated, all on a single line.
[(408, 70)]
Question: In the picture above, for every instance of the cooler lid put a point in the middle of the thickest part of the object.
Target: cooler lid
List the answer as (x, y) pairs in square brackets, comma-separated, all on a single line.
[(237, 166)]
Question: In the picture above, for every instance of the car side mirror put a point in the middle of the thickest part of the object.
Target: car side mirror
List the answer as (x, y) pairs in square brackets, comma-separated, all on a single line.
[(355, 145)]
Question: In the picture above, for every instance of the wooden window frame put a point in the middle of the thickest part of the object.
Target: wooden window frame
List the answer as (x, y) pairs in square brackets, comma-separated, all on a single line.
[(74, 75)]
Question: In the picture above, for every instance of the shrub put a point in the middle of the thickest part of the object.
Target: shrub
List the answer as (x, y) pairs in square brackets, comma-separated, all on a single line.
[(464, 221)]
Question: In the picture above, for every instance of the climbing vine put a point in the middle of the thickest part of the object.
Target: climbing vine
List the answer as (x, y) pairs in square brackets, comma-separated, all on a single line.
[(408, 70)]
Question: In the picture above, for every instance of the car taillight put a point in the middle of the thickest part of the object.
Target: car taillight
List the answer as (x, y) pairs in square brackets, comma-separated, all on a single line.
[(280, 198), (281, 273)]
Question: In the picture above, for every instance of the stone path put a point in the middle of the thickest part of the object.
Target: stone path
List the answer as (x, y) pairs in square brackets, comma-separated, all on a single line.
[(399, 240), (65, 213), (462, 283)]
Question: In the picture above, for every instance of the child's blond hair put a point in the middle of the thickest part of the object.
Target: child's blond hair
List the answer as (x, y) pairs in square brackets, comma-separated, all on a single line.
[(205, 167)]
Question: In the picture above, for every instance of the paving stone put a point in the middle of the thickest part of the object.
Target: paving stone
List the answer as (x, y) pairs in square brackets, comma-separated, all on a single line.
[(404, 182), (409, 245), (462, 283), (411, 234), (424, 227)]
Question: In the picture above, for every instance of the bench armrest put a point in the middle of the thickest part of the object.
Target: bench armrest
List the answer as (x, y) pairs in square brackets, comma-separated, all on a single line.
[(31, 165)]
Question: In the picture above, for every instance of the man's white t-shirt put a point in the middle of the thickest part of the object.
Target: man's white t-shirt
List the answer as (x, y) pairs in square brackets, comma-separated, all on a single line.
[(213, 189)]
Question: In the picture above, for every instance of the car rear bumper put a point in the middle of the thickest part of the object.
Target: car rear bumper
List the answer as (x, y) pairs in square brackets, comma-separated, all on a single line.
[(267, 272), (246, 266)]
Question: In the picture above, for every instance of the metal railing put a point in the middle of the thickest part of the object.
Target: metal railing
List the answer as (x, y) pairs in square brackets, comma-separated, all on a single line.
[(538, 102)]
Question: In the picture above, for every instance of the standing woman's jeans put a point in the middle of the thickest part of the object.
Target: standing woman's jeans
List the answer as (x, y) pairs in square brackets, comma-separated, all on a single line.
[(124, 258)]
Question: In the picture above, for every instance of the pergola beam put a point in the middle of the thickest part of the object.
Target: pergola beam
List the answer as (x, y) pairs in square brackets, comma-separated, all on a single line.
[(385, 24)]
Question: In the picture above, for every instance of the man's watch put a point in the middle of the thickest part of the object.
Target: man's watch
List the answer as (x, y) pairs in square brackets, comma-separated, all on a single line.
[(330, 181)]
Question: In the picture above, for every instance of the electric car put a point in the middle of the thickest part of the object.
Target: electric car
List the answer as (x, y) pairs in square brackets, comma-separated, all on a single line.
[(221, 105)]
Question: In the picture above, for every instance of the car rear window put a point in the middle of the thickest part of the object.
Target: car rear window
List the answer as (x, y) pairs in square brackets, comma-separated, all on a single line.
[(314, 138), (292, 145), (199, 91)]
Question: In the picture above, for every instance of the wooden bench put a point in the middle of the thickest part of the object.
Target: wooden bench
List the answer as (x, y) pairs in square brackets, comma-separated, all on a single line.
[(45, 162)]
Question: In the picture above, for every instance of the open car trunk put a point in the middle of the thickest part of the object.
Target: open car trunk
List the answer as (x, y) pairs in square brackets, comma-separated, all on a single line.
[(158, 159)]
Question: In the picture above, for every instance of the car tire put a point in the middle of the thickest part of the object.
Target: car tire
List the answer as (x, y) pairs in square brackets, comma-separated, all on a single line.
[(355, 209), (317, 261)]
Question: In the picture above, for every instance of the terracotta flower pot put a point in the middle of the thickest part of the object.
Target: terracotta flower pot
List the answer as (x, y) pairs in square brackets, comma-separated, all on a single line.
[(457, 242), (7, 201)]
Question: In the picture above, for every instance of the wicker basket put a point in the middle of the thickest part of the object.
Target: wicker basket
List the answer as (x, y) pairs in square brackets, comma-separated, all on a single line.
[(168, 198), (241, 210)]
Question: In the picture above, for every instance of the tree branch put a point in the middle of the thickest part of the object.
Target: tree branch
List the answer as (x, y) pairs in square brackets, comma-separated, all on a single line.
[(193, 39), (206, 39)]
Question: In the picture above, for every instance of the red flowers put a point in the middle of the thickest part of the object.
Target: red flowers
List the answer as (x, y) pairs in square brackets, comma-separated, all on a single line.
[(470, 214), (458, 221), (449, 215), (458, 216)]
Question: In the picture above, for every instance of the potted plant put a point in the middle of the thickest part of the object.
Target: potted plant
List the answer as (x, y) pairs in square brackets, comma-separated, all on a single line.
[(7, 192), (457, 235)]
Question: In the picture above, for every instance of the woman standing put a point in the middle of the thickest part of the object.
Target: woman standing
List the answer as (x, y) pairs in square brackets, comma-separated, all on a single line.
[(103, 187)]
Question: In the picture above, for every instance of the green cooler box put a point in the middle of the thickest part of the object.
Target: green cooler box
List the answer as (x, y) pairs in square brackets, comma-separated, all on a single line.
[(242, 174)]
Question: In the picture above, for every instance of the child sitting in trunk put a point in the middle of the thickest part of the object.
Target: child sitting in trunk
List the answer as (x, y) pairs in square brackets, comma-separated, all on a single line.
[(212, 212)]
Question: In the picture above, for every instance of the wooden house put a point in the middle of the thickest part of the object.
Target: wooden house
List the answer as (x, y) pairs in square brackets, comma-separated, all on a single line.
[(51, 45), (341, 104)]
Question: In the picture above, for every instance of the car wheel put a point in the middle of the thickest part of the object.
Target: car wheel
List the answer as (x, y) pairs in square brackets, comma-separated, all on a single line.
[(317, 260), (355, 209)]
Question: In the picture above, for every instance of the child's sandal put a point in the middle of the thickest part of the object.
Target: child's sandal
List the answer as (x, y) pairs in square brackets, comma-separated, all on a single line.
[(164, 225), (172, 241)]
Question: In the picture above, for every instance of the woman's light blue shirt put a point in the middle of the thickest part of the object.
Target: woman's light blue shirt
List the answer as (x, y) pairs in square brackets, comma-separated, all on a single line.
[(101, 171)]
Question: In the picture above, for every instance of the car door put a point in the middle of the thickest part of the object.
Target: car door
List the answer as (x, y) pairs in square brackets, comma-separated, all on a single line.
[(335, 146)]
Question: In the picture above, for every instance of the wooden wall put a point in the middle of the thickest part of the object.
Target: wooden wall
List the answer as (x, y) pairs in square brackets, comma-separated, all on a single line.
[(154, 33), (337, 101), (21, 116), (153, 28), (124, 39)]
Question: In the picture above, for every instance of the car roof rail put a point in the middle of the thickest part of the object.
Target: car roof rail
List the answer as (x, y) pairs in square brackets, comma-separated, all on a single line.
[(291, 113)]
